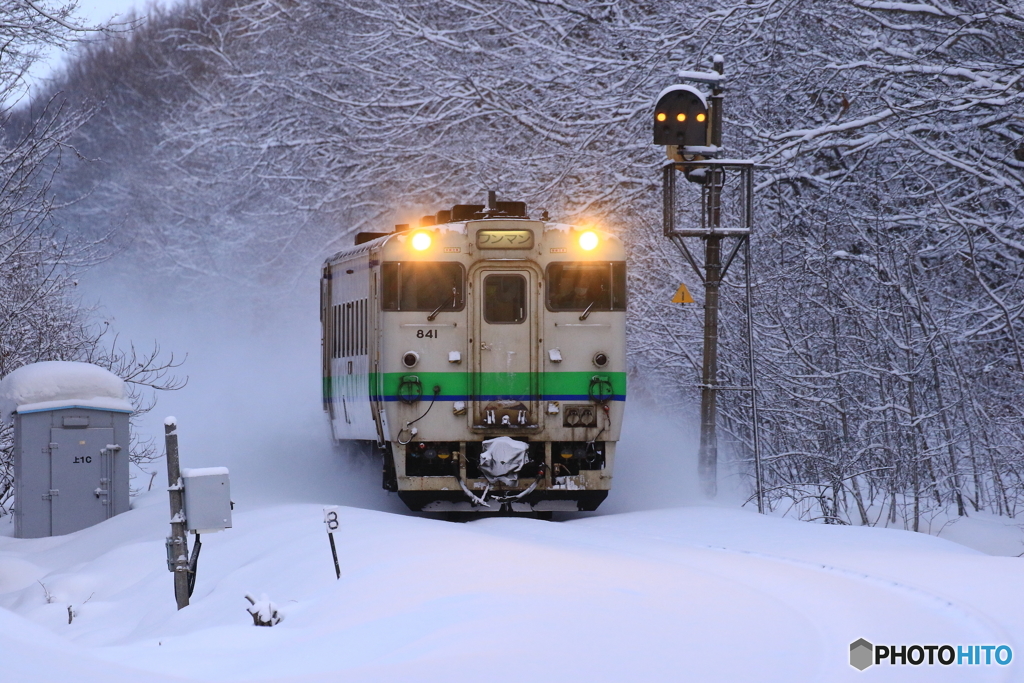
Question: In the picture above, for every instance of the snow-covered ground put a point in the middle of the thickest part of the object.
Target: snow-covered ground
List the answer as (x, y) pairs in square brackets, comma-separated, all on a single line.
[(655, 587), (691, 593)]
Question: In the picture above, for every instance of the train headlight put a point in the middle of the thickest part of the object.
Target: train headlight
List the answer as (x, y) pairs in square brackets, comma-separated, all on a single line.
[(421, 241), (588, 240)]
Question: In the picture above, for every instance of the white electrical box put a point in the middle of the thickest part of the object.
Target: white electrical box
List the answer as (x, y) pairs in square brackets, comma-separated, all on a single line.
[(207, 499)]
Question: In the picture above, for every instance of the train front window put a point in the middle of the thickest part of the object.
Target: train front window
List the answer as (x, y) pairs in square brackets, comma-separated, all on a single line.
[(581, 286), (504, 299), (422, 286)]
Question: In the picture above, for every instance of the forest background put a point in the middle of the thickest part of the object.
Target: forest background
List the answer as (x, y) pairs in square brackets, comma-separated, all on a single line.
[(234, 143)]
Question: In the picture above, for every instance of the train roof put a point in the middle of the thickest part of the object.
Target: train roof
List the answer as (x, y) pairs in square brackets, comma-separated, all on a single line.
[(460, 227), (365, 247)]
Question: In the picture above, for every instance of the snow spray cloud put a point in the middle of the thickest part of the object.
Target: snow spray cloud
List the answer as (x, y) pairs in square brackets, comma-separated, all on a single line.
[(253, 400), (656, 462), (252, 403), (863, 654)]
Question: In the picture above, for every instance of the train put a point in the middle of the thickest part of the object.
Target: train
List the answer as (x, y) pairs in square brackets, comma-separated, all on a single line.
[(484, 353)]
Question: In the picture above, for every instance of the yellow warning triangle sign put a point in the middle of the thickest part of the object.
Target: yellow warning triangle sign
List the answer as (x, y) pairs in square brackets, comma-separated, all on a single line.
[(682, 296)]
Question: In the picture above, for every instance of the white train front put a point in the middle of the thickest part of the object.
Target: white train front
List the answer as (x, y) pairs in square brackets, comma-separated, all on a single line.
[(485, 353)]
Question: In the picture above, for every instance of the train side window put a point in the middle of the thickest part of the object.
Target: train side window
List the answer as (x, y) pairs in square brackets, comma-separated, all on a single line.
[(579, 286), (337, 331), (366, 326), (422, 286), (341, 327), (346, 348), (504, 299), (359, 327), (389, 286), (618, 285), (329, 331)]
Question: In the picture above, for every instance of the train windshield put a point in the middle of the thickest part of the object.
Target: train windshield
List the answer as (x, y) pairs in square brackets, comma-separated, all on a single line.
[(504, 299), (579, 286), (422, 286)]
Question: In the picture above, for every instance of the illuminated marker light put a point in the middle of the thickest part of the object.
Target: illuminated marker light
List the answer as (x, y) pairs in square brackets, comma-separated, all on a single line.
[(680, 117), (588, 240), (421, 241), (661, 116), (700, 118)]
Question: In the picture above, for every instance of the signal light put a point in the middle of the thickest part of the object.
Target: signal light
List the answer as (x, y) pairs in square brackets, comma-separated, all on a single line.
[(588, 240), (686, 117), (661, 116), (421, 241)]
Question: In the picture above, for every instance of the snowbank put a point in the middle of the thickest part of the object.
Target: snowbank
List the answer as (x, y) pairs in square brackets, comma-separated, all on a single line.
[(60, 384), (698, 593)]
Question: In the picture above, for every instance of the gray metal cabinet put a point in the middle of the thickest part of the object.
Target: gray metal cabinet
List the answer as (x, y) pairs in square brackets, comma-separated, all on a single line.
[(70, 469)]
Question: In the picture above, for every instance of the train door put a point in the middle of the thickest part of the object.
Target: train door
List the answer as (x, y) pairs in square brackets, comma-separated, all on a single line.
[(505, 381)]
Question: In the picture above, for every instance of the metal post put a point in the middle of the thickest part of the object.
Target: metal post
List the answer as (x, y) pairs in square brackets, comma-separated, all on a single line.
[(707, 466), (334, 553), (708, 462), (758, 476), (331, 520), (668, 199), (177, 543)]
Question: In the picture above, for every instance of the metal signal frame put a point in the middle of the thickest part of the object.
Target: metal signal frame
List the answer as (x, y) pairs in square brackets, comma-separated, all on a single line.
[(711, 174)]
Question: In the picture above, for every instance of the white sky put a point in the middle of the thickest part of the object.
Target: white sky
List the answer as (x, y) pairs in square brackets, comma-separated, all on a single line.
[(101, 11), (90, 13)]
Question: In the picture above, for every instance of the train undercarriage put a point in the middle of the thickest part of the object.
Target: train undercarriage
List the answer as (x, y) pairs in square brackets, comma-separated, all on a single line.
[(549, 476)]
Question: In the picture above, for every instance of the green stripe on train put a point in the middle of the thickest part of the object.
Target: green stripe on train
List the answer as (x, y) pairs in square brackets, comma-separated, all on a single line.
[(495, 383), (503, 383)]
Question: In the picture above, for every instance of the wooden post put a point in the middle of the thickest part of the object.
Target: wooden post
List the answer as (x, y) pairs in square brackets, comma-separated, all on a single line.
[(177, 543)]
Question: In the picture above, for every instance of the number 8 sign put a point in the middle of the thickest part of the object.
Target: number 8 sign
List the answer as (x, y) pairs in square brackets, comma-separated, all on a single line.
[(331, 518), (331, 521)]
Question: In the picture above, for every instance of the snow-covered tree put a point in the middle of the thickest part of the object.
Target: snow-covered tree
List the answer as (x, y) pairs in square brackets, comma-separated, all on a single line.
[(887, 250), (41, 317)]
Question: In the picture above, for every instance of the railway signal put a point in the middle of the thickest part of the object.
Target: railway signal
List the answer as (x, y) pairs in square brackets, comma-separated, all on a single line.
[(681, 117), (689, 124)]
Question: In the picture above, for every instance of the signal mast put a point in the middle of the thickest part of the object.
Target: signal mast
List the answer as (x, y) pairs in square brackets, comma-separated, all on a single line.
[(689, 124)]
